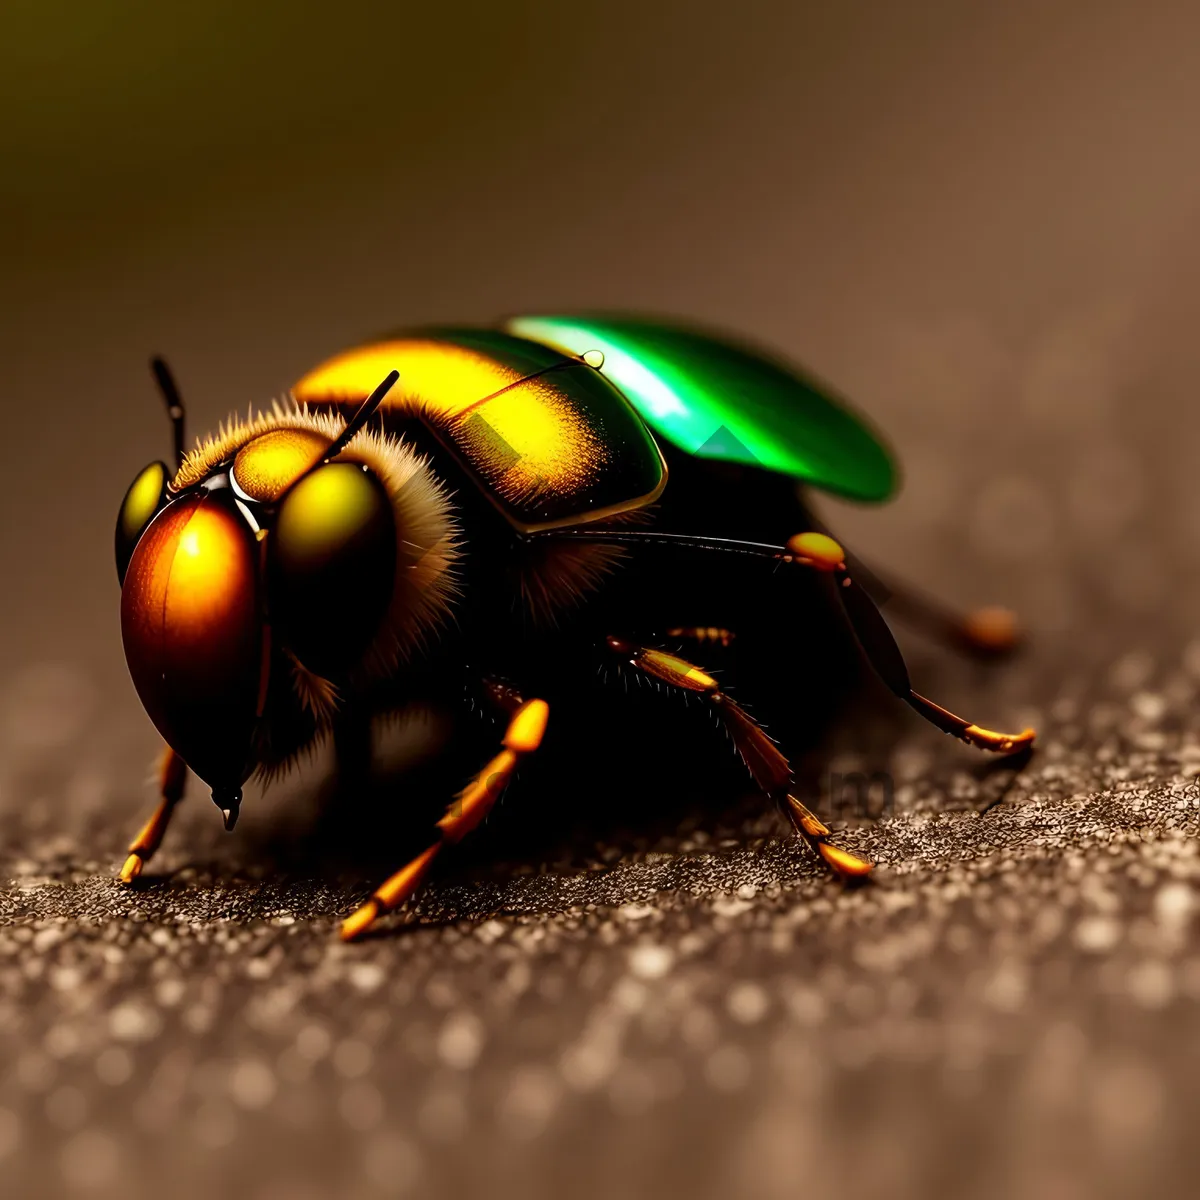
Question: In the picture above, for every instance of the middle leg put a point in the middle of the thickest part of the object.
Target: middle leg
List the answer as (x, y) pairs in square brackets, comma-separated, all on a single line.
[(767, 765)]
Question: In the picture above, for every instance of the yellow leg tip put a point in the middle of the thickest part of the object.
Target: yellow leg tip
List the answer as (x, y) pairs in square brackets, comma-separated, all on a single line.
[(358, 922), (807, 820), (847, 865), (999, 743), (132, 868)]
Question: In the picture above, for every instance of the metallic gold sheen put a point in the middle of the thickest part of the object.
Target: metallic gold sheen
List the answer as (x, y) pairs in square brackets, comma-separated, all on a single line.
[(266, 467), (716, 399), (546, 439), (192, 629), (562, 448)]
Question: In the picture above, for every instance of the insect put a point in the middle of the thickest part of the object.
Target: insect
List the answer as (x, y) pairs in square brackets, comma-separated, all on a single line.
[(495, 512)]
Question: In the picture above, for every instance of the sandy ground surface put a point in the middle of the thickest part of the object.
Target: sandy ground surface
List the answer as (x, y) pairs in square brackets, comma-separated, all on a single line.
[(1009, 1009)]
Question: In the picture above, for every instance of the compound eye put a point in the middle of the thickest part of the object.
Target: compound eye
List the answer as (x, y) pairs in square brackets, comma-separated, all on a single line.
[(332, 556), (266, 467), (143, 500)]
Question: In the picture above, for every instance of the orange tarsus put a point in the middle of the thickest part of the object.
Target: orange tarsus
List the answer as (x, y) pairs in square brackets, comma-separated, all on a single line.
[(843, 862), (526, 728), (172, 775)]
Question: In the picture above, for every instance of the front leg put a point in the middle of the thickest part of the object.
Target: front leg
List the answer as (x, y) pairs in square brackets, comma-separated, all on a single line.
[(172, 779), (523, 735)]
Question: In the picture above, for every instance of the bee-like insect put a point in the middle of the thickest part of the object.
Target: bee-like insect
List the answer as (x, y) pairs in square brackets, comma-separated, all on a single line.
[(497, 504)]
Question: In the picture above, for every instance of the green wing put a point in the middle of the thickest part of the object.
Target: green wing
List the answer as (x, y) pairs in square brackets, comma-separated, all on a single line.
[(716, 399)]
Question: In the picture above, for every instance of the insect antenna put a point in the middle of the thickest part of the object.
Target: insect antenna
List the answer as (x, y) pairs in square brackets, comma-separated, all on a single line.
[(175, 410), (366, 410), (592, 358), (649, 537)]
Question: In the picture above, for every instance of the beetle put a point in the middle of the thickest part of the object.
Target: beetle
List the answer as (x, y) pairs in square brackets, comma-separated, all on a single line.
[(495, 506)]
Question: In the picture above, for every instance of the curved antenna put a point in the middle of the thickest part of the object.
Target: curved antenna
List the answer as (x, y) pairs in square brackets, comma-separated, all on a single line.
[(366, 410), (170, 394), (593, 359), (655, 538)]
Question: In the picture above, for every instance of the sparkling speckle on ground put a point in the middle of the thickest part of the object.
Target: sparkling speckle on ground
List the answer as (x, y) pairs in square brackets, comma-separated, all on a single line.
[(710, 1013)]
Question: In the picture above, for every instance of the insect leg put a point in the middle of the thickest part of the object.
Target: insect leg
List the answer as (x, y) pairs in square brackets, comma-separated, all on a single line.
[(881, 651), (820, 552), (988, 631), (526, 727), (172, 777), (767, 765)]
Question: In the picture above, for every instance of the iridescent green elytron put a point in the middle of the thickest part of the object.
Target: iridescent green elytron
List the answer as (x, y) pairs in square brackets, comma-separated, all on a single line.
[(717, 400)]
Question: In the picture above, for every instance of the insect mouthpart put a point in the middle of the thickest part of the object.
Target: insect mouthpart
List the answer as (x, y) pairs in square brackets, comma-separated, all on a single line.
[(229, 801)]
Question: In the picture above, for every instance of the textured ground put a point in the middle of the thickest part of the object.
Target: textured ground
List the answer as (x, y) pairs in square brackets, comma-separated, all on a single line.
[(1008, 1010), (980, 221)]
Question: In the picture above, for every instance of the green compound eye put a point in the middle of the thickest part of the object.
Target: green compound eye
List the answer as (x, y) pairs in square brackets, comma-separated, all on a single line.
[(332, 564), (142, 501)]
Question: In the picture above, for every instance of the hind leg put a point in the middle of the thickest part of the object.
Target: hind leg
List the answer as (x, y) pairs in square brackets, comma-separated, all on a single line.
[(767, 765), (172, 778), (988, 631)]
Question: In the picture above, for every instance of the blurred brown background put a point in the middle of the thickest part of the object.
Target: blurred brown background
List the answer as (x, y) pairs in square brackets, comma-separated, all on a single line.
[(978, 220)]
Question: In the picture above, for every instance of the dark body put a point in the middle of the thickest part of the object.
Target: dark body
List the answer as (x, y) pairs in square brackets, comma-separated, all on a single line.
[(621, 754), (649, 589)]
